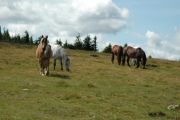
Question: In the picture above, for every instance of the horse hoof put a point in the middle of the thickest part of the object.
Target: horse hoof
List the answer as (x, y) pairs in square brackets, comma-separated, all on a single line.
[(47, 74), (42, 74)]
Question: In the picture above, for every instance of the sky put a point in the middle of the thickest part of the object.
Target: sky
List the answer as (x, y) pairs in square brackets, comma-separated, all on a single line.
[(153, 25)]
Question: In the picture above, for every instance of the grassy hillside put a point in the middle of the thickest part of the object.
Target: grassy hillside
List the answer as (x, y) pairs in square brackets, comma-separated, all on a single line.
[(95, 89)]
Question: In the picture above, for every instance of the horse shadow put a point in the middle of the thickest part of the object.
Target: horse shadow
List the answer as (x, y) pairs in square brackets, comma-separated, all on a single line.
[(148, 67), (151, 66), (62, 76)]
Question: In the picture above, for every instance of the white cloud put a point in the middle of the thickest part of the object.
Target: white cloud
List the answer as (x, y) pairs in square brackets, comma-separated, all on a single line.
[(177, 37), (163, 47), (64, 19), (154, 39)]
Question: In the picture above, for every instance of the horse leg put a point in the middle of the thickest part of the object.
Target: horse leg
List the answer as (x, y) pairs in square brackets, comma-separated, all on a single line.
[(119, 59), (54, 62), (41, 67), (144, 63), (138, 62), (128, 61), (47, 70), (60, 59), (123, 59), (43, 71), (134, 61), (112, 58), (46, 67)]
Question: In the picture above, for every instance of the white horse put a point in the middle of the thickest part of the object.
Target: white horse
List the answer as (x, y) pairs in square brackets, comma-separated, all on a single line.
[(59, 53)]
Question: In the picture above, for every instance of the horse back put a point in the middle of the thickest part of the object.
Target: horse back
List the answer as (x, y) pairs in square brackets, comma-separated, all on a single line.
[(57, 51), (117, 50), (130, 51)]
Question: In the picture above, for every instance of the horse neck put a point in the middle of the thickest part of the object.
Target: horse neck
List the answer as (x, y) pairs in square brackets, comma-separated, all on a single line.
[(125, 50), (47, 51), (143, 54)]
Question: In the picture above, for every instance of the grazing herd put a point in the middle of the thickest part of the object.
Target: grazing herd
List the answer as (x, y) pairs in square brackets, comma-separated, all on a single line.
[(45, 51), (136, 54)]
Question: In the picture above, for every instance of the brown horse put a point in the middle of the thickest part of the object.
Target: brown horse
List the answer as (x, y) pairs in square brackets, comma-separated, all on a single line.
[(117, 51), (43, 53), (136, 53)]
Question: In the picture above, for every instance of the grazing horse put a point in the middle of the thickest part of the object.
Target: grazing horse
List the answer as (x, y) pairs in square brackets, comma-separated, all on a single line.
[(44, 53), (136, 53), (58, 53), (117, 51)]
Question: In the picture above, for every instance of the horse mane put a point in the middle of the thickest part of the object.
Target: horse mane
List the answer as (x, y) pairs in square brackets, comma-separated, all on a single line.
[(48, 51)]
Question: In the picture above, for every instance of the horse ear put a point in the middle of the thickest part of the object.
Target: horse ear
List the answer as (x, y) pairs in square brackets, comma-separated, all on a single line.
[(42, 36), (46, 36)]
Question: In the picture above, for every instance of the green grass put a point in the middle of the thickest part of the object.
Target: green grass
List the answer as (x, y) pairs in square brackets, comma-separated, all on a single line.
[(95, 89)]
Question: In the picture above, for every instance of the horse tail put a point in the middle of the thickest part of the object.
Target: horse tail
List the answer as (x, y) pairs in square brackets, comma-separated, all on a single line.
[(121, 51), (120, 54), (124, 53), (145, 58)]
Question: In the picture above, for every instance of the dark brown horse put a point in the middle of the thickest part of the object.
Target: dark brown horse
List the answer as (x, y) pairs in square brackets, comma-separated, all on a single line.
[(117, 51), (43, 53), (136, 53)]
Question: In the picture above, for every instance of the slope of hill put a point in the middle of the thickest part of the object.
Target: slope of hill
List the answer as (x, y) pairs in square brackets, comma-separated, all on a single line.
[(94, 89)]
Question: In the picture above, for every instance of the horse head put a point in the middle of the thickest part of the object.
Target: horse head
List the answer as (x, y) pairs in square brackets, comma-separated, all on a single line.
[(142, 54), (67, 62), (44, 42)]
